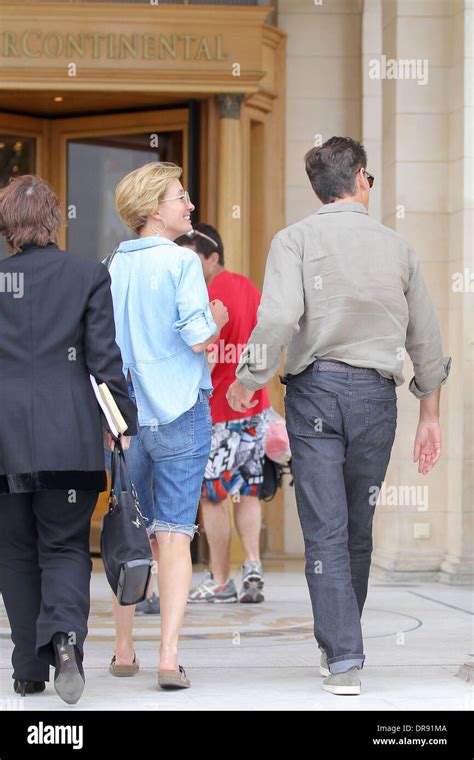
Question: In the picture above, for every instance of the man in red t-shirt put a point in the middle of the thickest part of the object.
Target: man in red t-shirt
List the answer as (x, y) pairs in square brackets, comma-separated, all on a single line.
[(235, 464)]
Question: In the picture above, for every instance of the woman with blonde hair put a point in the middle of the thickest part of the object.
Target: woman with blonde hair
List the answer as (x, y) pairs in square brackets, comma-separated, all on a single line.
[(164, 323)]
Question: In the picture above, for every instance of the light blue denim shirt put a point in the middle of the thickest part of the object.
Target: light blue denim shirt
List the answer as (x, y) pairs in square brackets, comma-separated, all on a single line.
[(161, 308)]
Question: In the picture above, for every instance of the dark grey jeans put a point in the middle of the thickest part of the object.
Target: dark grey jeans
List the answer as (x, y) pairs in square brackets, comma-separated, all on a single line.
[(341, 427)]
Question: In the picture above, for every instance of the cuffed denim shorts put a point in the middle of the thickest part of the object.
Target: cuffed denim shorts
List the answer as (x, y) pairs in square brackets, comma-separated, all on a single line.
[(166, 464)]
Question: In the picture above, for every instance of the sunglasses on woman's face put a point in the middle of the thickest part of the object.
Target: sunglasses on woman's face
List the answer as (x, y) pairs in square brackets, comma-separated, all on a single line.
[(369, 177)]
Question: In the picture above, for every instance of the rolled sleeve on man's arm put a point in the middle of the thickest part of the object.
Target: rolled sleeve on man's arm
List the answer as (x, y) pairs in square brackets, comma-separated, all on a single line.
[(258, 361), (422, 388), (423, 339), (281, 307), (247, 378)]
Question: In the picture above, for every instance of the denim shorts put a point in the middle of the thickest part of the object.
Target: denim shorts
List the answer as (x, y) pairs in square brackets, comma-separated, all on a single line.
[(166, 463)]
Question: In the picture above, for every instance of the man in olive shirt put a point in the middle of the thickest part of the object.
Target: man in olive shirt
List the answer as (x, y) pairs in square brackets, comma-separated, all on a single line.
[(346, 296)]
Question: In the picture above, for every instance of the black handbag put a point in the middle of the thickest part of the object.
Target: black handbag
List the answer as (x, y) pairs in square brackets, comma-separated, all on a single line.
[(124, 543), (273, 477)]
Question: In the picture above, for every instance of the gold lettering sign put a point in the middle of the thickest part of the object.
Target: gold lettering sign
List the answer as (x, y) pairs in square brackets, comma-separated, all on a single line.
[(37, 44)]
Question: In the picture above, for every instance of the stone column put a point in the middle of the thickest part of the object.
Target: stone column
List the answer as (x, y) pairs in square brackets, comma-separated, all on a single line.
[(457, 565), (372, 100), (425, 198), (229, 181)]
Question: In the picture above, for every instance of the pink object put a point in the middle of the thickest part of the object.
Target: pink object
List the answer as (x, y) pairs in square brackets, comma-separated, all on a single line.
[(277, 444)]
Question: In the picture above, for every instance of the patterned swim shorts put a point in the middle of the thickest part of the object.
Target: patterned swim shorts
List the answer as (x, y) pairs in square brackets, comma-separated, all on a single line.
[(235, 464)]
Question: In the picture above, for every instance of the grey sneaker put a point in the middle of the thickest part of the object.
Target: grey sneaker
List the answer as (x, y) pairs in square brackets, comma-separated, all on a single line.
[(210, 591), (149, 606), (343, 683), (324, 668), (252, 583)]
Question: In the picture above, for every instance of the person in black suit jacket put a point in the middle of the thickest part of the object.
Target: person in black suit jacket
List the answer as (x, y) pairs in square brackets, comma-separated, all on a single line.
[(56, 328)]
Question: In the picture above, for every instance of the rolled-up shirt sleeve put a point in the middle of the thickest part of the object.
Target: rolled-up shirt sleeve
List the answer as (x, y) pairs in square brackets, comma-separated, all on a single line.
[(195, 323), (423, 338), (281, 307)]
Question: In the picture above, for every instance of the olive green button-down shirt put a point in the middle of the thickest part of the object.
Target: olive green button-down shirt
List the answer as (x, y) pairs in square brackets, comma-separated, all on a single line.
[(340, 285)]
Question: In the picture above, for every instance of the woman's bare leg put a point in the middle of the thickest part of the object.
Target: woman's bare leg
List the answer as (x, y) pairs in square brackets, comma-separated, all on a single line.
[(123, 632), (174, 581)]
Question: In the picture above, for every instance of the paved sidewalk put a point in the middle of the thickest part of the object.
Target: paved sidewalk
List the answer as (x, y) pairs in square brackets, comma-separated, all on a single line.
[(264, 657)]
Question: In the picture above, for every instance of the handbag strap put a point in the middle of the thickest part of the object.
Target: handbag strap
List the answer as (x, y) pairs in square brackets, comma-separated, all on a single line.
[(119, 462)]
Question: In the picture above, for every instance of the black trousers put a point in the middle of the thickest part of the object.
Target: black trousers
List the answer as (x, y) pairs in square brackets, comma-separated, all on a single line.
[(45, 570)]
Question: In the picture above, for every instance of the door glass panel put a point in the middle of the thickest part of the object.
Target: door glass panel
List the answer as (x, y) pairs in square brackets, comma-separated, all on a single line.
[(95, 167), (17, 156)]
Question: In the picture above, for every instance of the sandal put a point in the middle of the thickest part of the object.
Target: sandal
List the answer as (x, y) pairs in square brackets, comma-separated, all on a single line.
[(173, 679), (124, 671)]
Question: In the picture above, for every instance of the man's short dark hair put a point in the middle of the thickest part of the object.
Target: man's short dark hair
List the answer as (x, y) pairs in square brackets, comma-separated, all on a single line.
[(332, 168), (202, 244)]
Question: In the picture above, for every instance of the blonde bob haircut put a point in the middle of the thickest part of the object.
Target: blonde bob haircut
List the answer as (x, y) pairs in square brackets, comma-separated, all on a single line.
[(138, 194)]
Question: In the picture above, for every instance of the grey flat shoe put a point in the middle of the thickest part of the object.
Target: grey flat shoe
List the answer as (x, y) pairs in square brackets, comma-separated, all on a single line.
[(124, 671), (173, 679), (343, 683), (323, 668)]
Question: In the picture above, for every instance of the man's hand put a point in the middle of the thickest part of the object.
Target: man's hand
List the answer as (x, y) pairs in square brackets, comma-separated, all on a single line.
[(238, 397), (427, 448)]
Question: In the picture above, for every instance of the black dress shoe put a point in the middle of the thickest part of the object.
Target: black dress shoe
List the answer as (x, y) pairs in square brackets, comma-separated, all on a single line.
[(69, 676), (28, 687)]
